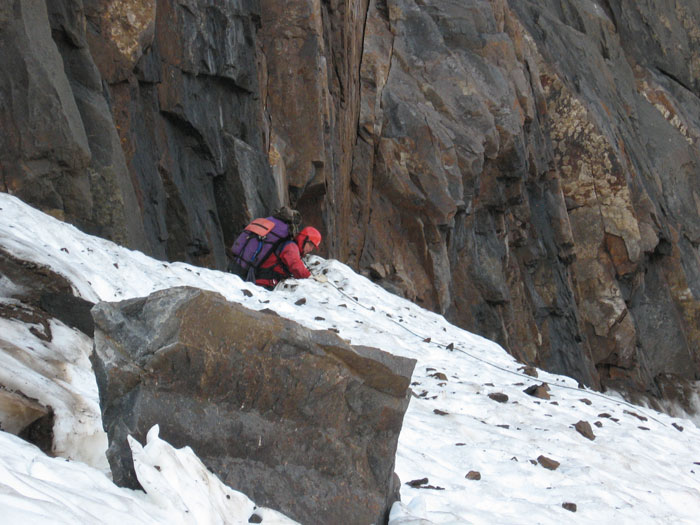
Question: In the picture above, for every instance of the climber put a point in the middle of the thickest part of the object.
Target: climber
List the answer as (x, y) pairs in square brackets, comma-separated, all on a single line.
[(289, 263), (269, 250)]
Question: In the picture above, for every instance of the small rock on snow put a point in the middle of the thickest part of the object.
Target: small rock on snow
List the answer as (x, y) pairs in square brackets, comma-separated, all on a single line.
[(529, 371), (417, 482), (584, 428), (539, 391), (548, 463), (499, 397), (629, 412)]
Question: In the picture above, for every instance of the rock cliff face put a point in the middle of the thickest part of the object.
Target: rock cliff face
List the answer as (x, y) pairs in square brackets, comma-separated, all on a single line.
[(528, 168)]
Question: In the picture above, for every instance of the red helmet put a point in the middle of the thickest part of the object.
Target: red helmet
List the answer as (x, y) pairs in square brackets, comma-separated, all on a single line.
[(310, 234)]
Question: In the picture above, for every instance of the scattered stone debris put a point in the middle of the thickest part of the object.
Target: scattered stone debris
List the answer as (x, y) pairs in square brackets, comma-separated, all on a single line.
[(641, 418), (473, 475), (504, 426), (643, 428), (584, 428), (460, 444), (598, 424), (533, 462), (586, 401), (451, 347), (422, 484), (677, 427), (498, 397), (247, 293), (439, 375), (604, 414), (426, 340), (569, 506), (548, 463), (528, 370), (440, 412), (319, 318), (255, 518), (540, 391), (300, 301)]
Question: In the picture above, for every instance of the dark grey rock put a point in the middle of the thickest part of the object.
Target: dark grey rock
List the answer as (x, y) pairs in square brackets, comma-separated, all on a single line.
[(298, 420), (72, 311), (571, 507)]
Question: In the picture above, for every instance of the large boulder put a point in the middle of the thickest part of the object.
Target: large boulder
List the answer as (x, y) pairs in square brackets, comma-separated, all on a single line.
[(297, 419)]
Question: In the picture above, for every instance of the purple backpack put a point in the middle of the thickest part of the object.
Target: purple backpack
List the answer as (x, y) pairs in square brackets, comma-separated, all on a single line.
[(260, 238)]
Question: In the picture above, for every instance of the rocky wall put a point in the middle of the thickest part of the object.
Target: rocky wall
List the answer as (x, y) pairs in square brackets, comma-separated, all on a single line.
[(528, 168)]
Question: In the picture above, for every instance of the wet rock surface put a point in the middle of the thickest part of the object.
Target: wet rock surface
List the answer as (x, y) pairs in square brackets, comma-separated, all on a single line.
[(296, 419)]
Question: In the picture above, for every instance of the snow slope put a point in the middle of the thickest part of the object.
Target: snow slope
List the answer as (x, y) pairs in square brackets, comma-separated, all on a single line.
[(641, 467)]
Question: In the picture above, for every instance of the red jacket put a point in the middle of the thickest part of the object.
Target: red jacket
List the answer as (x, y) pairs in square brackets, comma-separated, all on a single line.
[(288, 264)]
